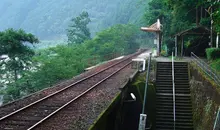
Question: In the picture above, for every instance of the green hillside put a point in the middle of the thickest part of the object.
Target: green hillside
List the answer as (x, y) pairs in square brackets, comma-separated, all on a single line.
[(48, 19)]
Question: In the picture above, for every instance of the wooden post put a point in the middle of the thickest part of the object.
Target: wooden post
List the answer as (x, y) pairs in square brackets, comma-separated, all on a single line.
[(158, 43), (182, 45), (197, 17), (201, 13)]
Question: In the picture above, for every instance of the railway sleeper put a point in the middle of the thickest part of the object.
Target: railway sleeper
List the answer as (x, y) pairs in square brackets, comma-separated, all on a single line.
[(18, 122), (12, 127)]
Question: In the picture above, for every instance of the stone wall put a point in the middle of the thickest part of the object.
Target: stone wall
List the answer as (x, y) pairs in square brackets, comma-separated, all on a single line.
[(205, 99)]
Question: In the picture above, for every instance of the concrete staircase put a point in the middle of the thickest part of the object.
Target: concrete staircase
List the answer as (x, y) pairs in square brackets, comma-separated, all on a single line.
[(164, 97)]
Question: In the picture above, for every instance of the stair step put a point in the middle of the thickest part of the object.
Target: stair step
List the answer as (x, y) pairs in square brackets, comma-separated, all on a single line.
[(177, 101), (170, 69), (161, 127), (171, 113), (177, 123), (170, 81), (171, 99), (177, 116), (164, 97), (171, 78), (176, 89), (177, 63), (171, 103), (166, 119), (171, 110), (178, 107), (171, 94), (176, 85), (170, 91), (170, 65)]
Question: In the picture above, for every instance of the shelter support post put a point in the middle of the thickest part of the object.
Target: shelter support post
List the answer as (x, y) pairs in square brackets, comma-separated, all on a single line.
[(158, 44), (182, 45)]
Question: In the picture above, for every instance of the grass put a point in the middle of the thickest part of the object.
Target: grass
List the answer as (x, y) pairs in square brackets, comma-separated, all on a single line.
[(215, 64)]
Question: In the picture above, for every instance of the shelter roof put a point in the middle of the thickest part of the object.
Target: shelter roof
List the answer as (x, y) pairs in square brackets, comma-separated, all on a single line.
[(153, 28)]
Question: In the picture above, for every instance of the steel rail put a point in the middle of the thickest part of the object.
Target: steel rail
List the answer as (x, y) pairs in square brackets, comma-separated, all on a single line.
[(65, 88), (78, 97), (174, 100)]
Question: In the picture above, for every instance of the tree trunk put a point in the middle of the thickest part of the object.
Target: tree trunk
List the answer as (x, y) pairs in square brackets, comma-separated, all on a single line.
[(15, 75), (201, 13), (197, 17)]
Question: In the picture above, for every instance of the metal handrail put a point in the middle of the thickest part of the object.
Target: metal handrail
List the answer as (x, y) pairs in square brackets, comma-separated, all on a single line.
[(143, 116), (206, 68), (217, 120), (146, 85), (174, 98)]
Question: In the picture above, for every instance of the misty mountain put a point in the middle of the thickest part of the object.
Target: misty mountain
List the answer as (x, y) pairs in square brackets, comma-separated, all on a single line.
[(49, 19)]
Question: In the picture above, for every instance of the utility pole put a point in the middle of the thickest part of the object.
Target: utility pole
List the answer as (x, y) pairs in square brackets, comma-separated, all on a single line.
[(211, 31), (217, 40), (211, 37)]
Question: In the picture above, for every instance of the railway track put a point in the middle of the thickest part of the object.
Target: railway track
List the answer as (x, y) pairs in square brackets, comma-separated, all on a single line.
[(32, 115)]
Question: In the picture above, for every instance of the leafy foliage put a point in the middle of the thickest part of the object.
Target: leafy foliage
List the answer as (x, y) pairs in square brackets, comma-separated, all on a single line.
[(19, 54), (78, 31), (65, 61), (48, 20), (216, 65), (177, 16), (213, 53)]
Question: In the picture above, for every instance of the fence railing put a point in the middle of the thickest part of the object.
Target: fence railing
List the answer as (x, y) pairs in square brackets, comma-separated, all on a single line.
[(209, 71), (174, 95)]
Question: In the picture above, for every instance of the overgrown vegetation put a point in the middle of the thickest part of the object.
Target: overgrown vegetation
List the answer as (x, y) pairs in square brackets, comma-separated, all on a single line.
[(213, 53), (216, 65), (48, 20), (52, 65), (177, 16), (17, 55), (205, 99), (78, 30), (35, 69)]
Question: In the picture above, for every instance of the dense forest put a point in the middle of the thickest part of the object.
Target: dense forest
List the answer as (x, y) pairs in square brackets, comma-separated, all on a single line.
[(25, 70), (177, 16), (95, 31), (49, 19), (181, 15)]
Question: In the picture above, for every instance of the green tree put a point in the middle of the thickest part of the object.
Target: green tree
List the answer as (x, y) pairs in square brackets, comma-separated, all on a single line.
[(78, 30), (62, 62), (13, 44), (179, 15)]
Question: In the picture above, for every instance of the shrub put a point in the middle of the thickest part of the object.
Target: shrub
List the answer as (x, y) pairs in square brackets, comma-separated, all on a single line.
[(213, 53), (163, 53), (216, 65)]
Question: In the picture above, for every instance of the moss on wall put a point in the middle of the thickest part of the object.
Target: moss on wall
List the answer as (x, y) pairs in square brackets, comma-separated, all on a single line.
[(139, 86), (205, 99), (101, 122), (119, 106)]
